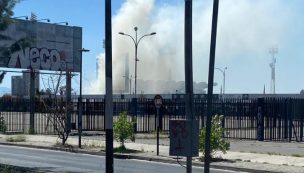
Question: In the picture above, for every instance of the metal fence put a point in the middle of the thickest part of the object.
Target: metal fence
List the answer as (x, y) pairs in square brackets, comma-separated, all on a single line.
[(282, 118)]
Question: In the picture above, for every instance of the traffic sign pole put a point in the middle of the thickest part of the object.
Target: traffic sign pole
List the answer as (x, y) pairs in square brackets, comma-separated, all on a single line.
[(109, 88), (210, 86), (189, 74), (158, 101), (157, 142)]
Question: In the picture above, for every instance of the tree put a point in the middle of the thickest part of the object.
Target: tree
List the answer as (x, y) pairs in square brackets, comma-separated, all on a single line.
[(123, 129), (2, 125), (6, 13), (217, 143), (56, 107)]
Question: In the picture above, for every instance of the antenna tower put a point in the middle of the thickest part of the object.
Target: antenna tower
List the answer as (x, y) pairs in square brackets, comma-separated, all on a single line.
[(273, 52)]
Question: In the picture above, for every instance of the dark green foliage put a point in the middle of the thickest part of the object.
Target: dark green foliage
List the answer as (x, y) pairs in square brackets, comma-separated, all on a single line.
[(123, 129), (217, 142), (6, 13), (2, 125)]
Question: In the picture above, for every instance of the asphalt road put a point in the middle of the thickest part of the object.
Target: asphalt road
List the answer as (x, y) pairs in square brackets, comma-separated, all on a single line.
[(58, 161)]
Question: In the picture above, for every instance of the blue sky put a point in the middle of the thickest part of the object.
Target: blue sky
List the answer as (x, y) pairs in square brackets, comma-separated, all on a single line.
[(247, 29)]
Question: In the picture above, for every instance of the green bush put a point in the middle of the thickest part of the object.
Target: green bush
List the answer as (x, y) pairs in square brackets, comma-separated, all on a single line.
[(217, 143), (2, 125), (18, 138), (123, 129)]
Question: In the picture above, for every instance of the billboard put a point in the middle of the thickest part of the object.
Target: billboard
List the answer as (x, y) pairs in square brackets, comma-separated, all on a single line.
[(50, 46)]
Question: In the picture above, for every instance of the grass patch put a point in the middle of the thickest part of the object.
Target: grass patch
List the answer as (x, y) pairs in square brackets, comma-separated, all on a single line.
[(66, 147), (297, 155), (18, 138), (15, 169), (123, 149), (273, 153), (153, 135), (219, 159)]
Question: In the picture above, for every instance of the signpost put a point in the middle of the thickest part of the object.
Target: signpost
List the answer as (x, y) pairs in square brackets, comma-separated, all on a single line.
[(180, 135), (109, 88), (158, 101), (210, 86)]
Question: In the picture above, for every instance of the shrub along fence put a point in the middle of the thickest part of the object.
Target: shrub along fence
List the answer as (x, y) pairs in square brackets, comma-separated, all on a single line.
[(273, 119)]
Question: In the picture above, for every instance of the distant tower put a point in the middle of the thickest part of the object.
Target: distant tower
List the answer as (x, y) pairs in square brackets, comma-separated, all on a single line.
[(273, 52), (127, 77), (97, 65), (97, 69)]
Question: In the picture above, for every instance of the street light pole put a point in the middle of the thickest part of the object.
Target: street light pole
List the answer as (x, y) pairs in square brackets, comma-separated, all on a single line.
[(136, 42), (80, 99), (136, 59), (224, 77)]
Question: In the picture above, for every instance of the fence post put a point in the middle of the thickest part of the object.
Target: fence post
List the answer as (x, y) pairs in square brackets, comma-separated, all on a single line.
[(134, 106), (285, 120), (68, 101), (223, 112), (290, 119), (32, 101), (260, 119), (301, 123)]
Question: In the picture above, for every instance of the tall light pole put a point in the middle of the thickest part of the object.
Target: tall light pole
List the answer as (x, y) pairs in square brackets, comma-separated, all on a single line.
[(136, 43), (80, 99), (224, 77)]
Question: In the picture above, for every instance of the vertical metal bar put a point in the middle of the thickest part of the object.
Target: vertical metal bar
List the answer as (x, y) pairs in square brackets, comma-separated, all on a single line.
[(68, 101), (210, 84), (188, 73), (80, 104), (157, 140), (301, 125), (290, 118), (109, 87), (260, 119), (32, 100)]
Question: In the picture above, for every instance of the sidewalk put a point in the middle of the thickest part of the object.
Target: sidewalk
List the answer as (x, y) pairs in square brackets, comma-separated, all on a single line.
[(243, 156)]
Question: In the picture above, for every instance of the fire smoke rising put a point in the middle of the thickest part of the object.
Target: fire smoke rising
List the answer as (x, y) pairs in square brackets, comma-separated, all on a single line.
[(161, 57)]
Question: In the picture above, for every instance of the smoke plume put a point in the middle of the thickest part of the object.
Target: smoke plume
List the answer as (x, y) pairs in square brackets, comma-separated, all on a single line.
[(245, 26)]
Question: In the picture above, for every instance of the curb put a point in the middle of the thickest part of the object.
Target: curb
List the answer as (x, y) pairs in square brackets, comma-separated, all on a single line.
[(161, 159)]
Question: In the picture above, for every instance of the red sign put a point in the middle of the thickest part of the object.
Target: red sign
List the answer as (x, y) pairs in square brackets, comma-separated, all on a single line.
[(158, 101)]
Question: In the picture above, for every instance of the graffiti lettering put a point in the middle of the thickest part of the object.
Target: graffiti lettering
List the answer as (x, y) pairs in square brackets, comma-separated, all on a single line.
[(35, 58)]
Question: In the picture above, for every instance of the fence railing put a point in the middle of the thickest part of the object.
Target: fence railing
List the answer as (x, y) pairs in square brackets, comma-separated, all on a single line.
[(282, 117)]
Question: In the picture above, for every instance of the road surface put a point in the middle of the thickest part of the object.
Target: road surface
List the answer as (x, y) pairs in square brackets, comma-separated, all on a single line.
[(58, 161)]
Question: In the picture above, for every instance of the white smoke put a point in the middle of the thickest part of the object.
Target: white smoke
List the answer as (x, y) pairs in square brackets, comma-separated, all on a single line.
[(245, 26)]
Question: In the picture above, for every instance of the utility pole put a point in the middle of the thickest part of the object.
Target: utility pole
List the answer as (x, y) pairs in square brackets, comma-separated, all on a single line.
[(109, 88), (80, 99), (189, 74), (210, 85)]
